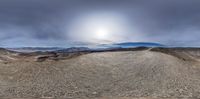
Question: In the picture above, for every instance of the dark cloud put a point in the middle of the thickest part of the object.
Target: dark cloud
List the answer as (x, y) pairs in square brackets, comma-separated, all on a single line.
[(172, 22)]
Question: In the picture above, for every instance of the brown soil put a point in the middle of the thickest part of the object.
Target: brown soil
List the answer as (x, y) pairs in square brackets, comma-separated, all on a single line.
[(146, 74)]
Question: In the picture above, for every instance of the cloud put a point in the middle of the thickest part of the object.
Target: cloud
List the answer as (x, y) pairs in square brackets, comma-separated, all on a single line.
[(47, 21)]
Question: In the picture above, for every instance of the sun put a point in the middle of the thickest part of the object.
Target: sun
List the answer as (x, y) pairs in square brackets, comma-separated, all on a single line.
[(102, 33), (102, 27)]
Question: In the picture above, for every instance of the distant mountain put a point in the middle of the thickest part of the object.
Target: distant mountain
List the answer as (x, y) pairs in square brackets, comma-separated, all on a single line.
[(74, 49), (49, 49), (35, 49), (133, 44), (81, 49), (138, 44)]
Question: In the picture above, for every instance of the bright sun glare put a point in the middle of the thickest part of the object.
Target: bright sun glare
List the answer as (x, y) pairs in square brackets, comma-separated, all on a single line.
[(100, 28), (101, 33)]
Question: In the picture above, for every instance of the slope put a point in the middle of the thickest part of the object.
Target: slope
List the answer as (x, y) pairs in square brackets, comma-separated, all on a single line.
[(105, 74)]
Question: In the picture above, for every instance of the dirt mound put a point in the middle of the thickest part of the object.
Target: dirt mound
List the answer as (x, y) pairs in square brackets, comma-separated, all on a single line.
[(173, 52), (186, 54), (7, 55), (57, 56), (105, 74)]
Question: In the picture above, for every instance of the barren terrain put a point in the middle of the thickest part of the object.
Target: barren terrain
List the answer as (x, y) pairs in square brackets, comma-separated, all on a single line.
[(152, 73)]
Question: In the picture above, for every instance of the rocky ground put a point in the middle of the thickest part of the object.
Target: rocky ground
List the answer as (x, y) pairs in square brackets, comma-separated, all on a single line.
[(152, 73)]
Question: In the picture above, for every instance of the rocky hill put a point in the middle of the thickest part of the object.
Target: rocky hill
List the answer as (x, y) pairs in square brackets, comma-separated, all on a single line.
[(152, 73)]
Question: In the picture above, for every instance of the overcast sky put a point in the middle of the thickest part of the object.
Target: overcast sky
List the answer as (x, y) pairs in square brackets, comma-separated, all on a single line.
[(64, 23)]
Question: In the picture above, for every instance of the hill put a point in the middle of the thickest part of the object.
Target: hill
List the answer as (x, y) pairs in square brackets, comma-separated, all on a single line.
[(133, 44), (147, 73)]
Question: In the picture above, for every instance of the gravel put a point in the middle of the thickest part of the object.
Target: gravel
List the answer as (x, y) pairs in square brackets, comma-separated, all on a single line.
[(118, 75)]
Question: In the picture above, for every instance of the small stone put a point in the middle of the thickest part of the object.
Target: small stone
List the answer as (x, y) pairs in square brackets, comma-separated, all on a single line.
[(94, 93)]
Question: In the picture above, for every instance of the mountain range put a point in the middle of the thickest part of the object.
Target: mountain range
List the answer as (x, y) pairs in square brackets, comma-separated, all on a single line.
[(97, 48), (133, 44)]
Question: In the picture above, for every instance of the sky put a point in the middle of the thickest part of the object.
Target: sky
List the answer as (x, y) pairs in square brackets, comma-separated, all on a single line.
[(65, 23)]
